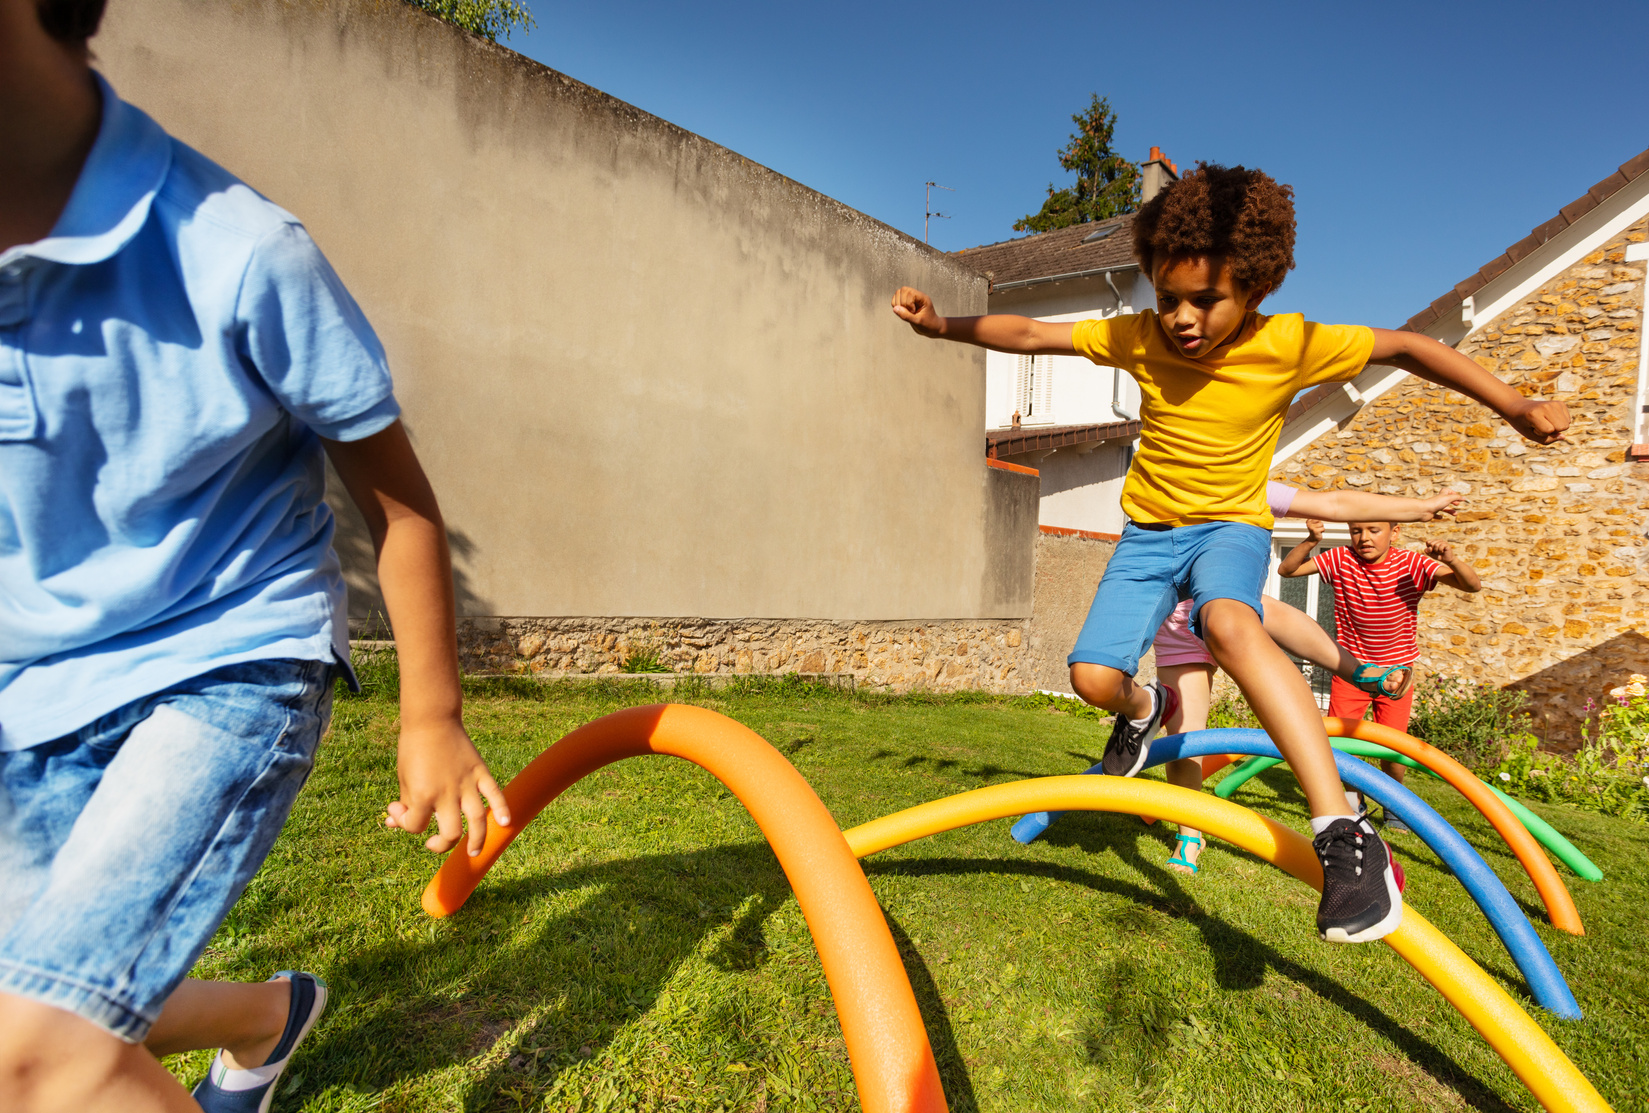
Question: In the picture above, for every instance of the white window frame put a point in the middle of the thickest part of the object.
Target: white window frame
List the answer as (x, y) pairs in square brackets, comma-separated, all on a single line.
[(1637, 253), (1288, 533)]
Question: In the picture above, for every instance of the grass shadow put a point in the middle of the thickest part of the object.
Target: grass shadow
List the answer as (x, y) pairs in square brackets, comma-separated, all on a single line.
[(1240, 959), (450, 992)]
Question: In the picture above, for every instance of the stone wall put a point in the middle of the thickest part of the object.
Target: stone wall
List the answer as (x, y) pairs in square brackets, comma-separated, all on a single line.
[(1556, 533), (944, 656), (1067, 572)]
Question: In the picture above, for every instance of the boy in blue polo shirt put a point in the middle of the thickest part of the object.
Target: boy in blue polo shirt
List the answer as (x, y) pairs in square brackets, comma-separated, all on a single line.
[(175, 356)]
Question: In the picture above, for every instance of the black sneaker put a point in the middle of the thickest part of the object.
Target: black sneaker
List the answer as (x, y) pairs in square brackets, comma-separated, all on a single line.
[(1129, 746), (1362, 899)]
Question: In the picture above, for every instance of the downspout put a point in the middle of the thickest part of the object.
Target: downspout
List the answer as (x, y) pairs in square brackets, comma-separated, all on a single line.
[(1116, 372)]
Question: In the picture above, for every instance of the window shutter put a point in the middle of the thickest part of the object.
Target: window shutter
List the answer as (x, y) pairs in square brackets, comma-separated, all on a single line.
[(1022, 387), (1042, 401)]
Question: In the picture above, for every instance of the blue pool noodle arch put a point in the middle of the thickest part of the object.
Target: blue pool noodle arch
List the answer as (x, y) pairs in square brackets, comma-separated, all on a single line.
[(1532, 958)]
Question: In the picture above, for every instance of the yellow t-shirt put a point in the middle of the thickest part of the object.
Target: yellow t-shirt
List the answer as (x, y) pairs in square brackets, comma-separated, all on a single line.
[(1211, 426)]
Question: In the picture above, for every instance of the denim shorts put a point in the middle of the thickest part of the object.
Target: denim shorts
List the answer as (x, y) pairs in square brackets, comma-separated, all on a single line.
[(1153, 570), (124, 845)]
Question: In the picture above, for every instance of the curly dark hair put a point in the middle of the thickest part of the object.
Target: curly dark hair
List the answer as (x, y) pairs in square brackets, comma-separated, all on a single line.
[(1240, 214), (70, 21)]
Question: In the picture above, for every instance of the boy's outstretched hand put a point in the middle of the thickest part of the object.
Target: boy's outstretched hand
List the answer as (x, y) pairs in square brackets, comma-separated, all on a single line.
[(442, 774), (1540, 422), (1444, 502), (916, 309)]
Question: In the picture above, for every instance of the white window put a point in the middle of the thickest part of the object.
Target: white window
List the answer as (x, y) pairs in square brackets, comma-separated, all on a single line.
[(1034, 390), (1639, 252), (1306, 593)]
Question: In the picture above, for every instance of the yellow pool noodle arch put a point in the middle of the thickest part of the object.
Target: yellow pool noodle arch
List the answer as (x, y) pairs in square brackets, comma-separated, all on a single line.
[(1548, 1073)]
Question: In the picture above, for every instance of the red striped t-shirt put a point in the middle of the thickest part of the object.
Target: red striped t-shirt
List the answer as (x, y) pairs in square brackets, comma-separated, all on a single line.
[(1375, 604)]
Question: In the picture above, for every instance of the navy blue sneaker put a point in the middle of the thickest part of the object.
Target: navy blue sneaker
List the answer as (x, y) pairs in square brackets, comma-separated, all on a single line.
[(251, 1091)]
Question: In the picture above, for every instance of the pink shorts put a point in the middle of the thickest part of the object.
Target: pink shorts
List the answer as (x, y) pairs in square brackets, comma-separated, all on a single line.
[(1176, 644)]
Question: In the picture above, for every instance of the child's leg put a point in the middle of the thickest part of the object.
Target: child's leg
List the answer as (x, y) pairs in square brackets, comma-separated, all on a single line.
[(1134, 596), (1195, 685), (51, 1059), (1298, 633), (1110, 689), (1280, 698), (246, 1019), (188, 790), (1395, 713), (1361, 899)]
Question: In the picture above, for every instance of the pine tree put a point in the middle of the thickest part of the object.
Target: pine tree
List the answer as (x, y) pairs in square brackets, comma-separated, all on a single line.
[(1107, 184)]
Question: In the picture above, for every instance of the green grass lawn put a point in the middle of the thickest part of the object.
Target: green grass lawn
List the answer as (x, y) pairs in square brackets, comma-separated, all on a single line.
[(638, 947)]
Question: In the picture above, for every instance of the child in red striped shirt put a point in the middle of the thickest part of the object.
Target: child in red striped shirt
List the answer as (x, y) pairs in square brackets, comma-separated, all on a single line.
[(1377, 592)]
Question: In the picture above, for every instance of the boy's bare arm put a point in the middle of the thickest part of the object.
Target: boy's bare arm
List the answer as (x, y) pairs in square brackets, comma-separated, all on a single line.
[(1299, 561), (440, 770), (1434, 361), (1360, 506), (1003, 331), (1460, 574)]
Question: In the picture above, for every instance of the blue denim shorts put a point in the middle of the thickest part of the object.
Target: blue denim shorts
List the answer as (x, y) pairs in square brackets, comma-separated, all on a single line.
[(1152, 570), (124, 845)]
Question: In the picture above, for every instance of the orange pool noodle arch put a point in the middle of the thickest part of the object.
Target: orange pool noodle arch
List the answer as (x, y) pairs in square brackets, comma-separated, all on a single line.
[(887, 1043), (1541, 1065), (1560, 906)]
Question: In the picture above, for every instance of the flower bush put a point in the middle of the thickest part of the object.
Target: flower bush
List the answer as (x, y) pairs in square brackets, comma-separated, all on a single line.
[(1610, 771), (1476, 724)]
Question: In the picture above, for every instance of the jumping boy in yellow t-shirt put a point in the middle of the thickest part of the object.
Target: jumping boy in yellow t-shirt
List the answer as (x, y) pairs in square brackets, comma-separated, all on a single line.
[(1216, 378)]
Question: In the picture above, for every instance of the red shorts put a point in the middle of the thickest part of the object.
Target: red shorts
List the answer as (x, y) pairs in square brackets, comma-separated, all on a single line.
[(1347, 701)]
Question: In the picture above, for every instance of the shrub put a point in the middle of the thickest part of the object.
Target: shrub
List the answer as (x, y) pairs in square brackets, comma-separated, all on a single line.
[(1610, 771), (1231, 711), (1476, 724)]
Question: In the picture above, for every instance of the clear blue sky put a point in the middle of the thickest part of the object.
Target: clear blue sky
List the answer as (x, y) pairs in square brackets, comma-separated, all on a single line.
[(1421, 138)]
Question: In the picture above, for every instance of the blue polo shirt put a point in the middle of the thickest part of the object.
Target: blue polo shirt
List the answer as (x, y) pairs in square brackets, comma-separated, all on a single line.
[(169, 356)]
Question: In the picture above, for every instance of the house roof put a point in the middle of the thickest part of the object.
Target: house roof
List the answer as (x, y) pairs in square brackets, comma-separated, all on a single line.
[(1566, 216), (1049, 255), (1455, 298), (1011, 442)]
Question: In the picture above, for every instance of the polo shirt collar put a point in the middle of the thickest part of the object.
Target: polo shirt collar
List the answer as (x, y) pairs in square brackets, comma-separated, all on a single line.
[(128, 163)]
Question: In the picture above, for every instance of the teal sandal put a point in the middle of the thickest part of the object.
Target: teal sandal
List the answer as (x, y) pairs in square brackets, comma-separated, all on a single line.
[(1179, 859), (1372, 679)]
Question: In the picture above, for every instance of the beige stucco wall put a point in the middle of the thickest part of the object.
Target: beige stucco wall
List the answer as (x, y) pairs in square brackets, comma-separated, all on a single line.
[(647, 376)]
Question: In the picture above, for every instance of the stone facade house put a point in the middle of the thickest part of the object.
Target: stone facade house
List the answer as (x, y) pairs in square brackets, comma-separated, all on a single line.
[(1557, 533)]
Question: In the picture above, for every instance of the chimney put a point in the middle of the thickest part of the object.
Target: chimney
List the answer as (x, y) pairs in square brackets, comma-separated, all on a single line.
[(1159, 171)]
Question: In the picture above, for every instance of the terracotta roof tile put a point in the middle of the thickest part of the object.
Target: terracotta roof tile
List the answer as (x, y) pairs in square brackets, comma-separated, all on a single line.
[(1046, 254), (1578, 208), (1494, 268), (1608, 185), (1524, 247), (1009, 442)]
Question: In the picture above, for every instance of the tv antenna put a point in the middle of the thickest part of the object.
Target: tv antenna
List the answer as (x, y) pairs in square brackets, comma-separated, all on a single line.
[(927, 207)]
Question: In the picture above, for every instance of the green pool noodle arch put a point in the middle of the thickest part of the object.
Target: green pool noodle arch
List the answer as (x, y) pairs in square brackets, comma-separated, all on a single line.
[(1549, 837)]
